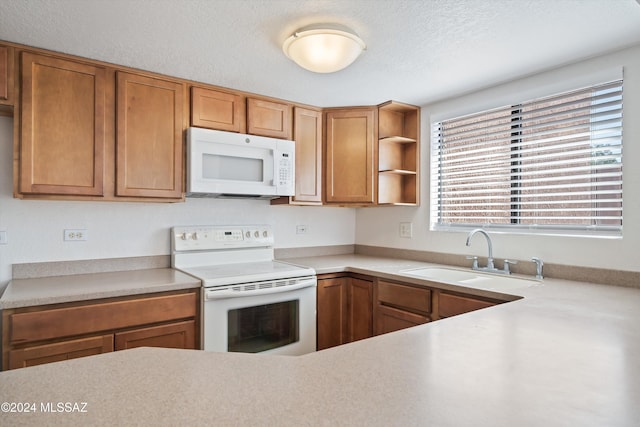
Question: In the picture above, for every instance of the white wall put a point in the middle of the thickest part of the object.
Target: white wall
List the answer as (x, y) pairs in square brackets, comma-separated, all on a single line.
[(117, 229), (379, 227)]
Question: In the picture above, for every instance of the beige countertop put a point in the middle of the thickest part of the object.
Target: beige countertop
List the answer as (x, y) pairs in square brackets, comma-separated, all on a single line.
[(82, 287), (565, 354)]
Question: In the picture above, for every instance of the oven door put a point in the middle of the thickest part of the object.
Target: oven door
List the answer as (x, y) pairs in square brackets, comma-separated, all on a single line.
[(275, 317)]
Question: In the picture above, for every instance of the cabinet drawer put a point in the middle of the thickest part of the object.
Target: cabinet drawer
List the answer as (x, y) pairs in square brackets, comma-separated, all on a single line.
[(174, 335), (452, 305), (90, 318), (56, 352), (417, 299), (391, 319)]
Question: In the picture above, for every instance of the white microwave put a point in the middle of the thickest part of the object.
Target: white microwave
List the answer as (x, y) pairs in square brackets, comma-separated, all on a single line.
[(233, 165)]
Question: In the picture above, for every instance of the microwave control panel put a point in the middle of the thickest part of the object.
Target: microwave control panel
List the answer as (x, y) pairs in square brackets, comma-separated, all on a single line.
[(192, 238), (285, 172)]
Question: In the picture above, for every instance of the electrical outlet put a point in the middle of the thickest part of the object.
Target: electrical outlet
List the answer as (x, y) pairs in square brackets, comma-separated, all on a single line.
[(3, 237), (406, 230), (75, 235), (302, 229)]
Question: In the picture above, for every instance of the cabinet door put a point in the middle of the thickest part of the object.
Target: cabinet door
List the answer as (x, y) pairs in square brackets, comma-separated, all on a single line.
[(390, 319), (351, 156), (268, 118), (360, 311), (62, 128), (308, 138), (56, 352), (6, 74), (149, 145), (173, 335), (217, 110), (331, 309)]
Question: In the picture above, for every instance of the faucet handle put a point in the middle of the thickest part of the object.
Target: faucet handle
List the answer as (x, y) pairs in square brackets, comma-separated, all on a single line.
[(539, 265), (475, 262), (506, 265)]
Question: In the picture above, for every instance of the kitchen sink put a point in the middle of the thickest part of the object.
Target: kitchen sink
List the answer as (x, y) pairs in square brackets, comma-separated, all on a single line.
[(470, 278)]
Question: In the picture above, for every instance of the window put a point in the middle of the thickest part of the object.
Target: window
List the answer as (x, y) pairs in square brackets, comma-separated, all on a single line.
[(552, 164)]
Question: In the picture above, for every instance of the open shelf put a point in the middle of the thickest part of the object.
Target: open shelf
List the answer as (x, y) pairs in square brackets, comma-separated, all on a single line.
[(397, 172), (398, 154), (397, 189), (397, 140)]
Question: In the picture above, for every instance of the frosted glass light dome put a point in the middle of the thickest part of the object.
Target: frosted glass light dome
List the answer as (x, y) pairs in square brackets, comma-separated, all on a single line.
[(323, 49)]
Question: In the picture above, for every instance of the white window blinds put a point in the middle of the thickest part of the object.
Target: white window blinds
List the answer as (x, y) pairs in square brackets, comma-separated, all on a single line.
[(554, 163)]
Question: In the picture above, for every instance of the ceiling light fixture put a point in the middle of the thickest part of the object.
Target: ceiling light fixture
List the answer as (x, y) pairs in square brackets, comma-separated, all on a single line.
[(323, 48)]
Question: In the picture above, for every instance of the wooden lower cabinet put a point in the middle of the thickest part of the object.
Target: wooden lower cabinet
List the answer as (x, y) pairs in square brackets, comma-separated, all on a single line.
[(390, 319), (43, 334), (174, 335), (332, 319), (352, 307), (344, 307), (359, 309), (452, 305), (55, 352), (399, 306)]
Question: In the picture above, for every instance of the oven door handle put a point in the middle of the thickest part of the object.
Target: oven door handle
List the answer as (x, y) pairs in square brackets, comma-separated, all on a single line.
[(231, 293)]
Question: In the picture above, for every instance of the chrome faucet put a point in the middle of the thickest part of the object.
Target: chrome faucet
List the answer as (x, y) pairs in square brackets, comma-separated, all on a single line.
[(490, 266)]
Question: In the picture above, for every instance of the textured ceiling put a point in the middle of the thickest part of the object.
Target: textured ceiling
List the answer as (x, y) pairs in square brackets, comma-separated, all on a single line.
[(418, 51)]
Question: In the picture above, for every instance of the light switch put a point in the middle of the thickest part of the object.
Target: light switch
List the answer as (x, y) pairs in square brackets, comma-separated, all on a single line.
[(3, 238)]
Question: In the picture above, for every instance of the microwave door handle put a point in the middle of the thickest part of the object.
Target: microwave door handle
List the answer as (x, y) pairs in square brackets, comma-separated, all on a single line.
[(229, 293)]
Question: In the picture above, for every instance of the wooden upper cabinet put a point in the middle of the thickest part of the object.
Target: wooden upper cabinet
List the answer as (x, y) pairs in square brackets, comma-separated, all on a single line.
[(268, 118), (219, 110), (308, 137), (6, 75), (149, 141), (62, 127), (351, 156)]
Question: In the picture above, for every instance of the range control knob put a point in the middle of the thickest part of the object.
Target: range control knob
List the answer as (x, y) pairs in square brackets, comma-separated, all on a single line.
[(184, 236), (256, 234), (194, 236), (248, 234), (265, 233)]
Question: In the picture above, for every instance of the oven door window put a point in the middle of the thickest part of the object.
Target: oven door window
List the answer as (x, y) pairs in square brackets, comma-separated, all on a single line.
[(263, 327)]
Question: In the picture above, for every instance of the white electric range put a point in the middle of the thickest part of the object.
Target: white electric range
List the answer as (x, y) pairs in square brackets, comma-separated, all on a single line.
[(251, 303)]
